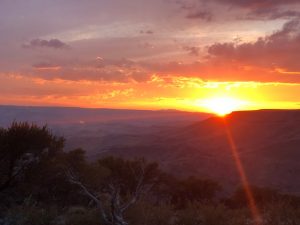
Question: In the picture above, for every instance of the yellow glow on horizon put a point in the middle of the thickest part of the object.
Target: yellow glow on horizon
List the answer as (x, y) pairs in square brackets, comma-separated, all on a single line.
[(162, 92), (223, 105)]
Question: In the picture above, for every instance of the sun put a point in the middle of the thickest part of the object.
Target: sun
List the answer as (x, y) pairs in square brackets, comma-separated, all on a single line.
[(222, 105)]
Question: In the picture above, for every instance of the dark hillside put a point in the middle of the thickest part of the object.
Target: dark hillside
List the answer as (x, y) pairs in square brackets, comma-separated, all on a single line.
[(268, 142)]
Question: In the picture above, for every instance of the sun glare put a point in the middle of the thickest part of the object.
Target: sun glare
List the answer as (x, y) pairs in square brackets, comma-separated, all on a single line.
[(223, 105)]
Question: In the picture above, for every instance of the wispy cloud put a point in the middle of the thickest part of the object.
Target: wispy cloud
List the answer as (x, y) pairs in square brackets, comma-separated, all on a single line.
[(40, 43)]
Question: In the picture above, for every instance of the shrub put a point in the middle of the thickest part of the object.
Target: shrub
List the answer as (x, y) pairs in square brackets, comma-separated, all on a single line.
[(281, 213), (189, 216), (82, 216), (145, 213), (29, 215)]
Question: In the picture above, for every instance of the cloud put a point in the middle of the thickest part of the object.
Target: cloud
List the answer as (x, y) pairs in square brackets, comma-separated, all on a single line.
[(271, 14), (257, 3), (265, 9), (46, 66), (192, 50), (273, 58), (281, 50), (110, 70), (40, 43), (146, 45), (146, 32), (195, 10), (242, 9), (181, 34), (84, 74), (203, 15), (285, 14)]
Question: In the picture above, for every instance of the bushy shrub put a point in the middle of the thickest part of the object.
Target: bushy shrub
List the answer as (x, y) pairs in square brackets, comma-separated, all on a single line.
[(145, 213), (29, 215), (189, 216), (239, 217), (212, 214), (281, 213), (82, 216)]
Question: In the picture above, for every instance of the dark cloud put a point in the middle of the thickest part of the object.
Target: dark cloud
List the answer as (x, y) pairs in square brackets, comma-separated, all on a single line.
[(40, 43), (195, 10), (46, 66), (244, 9), (255, 4), (265, 9), (272, 14), (192, 50), (279, 50), (285, 14), (203, 15), (146, 32)]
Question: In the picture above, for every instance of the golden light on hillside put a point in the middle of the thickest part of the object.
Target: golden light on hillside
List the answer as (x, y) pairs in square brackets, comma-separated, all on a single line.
[(223, 105)]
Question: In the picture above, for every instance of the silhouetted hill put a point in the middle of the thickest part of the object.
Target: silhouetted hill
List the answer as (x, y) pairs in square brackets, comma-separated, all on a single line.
[(267, 141)]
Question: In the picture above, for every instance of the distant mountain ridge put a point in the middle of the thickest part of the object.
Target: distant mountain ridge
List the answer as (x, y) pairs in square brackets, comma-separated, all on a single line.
[(73, 115)]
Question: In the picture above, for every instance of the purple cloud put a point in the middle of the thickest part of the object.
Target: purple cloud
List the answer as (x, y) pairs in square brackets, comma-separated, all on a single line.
[(192, 50), (195, 10), (199, 14), (117, 70), (258, 3), (279, 50), (272, 14), (40, 43), (255, 9), (46, 66), (146, 32), (265, 9)]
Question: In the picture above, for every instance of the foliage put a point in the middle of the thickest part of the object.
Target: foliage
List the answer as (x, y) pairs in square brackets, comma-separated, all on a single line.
[(81, 216), (146, 213), (29, 215), (281, 213), (261, 195), (184, 191), (24, 146), (120, 182), (190, 215)]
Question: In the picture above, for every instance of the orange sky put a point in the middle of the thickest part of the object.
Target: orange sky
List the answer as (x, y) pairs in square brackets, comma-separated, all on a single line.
[(188, 55), (181, 93)]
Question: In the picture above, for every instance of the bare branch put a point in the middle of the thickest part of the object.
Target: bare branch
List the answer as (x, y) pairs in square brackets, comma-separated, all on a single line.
[(138, 190), (74, 180)]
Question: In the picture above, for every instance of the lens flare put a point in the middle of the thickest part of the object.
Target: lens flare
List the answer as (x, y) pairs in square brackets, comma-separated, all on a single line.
[(244, 180)]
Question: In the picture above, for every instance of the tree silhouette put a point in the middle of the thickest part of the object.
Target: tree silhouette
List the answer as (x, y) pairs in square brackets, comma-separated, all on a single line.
[(23, 146), (115, 184)]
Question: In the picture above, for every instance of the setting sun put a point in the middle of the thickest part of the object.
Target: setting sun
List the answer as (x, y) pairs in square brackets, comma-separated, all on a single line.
[(222, 105)]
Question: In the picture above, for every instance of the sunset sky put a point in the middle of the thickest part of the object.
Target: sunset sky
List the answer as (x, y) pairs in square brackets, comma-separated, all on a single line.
[(158, 54)]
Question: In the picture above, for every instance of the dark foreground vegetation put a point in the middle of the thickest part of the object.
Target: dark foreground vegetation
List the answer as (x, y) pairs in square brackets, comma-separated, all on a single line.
[(41, 184)]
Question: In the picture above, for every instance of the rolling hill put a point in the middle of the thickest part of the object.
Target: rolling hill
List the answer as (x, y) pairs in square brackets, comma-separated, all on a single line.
[(267, 142)]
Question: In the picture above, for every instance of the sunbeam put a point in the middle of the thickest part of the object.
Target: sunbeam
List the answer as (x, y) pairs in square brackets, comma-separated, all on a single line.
[(245, 183)]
